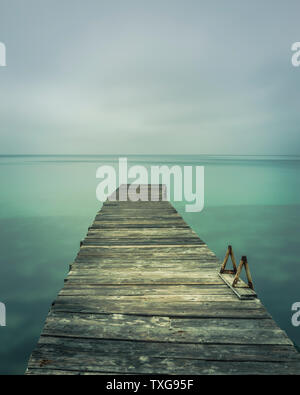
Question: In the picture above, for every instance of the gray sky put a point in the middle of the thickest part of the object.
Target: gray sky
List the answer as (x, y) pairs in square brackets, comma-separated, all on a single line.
[(160, 76)]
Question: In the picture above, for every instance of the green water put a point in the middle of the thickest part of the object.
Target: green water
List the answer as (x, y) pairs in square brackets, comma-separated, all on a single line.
[(48, 202)]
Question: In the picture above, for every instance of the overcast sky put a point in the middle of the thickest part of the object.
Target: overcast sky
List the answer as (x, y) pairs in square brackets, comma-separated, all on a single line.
[(159, 76)]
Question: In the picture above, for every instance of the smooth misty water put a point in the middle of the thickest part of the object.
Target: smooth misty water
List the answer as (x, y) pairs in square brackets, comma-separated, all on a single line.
[(47, 204)]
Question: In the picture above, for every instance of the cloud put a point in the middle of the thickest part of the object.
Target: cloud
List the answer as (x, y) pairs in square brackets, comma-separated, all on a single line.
[(166, 77)]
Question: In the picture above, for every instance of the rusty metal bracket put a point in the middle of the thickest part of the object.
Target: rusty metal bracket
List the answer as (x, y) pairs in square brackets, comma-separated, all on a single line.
[(243, 263), (230, 254), (232, 277)]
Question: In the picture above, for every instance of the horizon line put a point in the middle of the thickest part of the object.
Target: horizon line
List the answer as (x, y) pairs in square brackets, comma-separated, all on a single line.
[(122, 154)]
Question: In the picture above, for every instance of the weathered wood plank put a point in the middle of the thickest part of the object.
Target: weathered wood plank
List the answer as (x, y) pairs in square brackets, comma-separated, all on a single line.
[(215, 306), (242, 290), (136, 225), (141, 241), (166, 329), (143, 290), (95, 348), (133, 272), (155, 251), (150, 360), (163, 279), (141, 265), (144, 232), (180, 368)]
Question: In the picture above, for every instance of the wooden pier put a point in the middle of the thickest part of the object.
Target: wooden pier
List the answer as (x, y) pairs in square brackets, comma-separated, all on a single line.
[(144, 296)]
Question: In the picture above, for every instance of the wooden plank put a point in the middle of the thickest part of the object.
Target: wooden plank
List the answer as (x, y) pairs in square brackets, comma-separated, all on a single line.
[(145, 273), (242, 290), (189, 251), (115, 261), (144, 232), (214, 352), (105, 224), (166, 329), (97, 266), (152, 358), (158, 220), (134, 242), (154, 251), (143, 264), (209, 306), (143, 290), (150, 277), (60, 372), (180, 368)]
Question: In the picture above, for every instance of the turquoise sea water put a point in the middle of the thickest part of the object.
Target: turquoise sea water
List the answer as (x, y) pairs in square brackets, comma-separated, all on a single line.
[(48, 202)]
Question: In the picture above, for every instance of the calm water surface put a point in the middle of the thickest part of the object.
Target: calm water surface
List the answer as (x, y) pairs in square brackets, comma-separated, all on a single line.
[(48, 202)]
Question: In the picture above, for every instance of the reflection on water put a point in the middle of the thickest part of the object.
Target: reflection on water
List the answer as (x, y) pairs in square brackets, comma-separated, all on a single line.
[(47, 203)]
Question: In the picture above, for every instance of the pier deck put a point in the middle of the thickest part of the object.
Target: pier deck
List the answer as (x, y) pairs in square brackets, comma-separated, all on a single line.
[(143, 296)]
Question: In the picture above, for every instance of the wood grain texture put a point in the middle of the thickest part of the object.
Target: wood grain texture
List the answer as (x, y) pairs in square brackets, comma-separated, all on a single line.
[(144, 296)]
